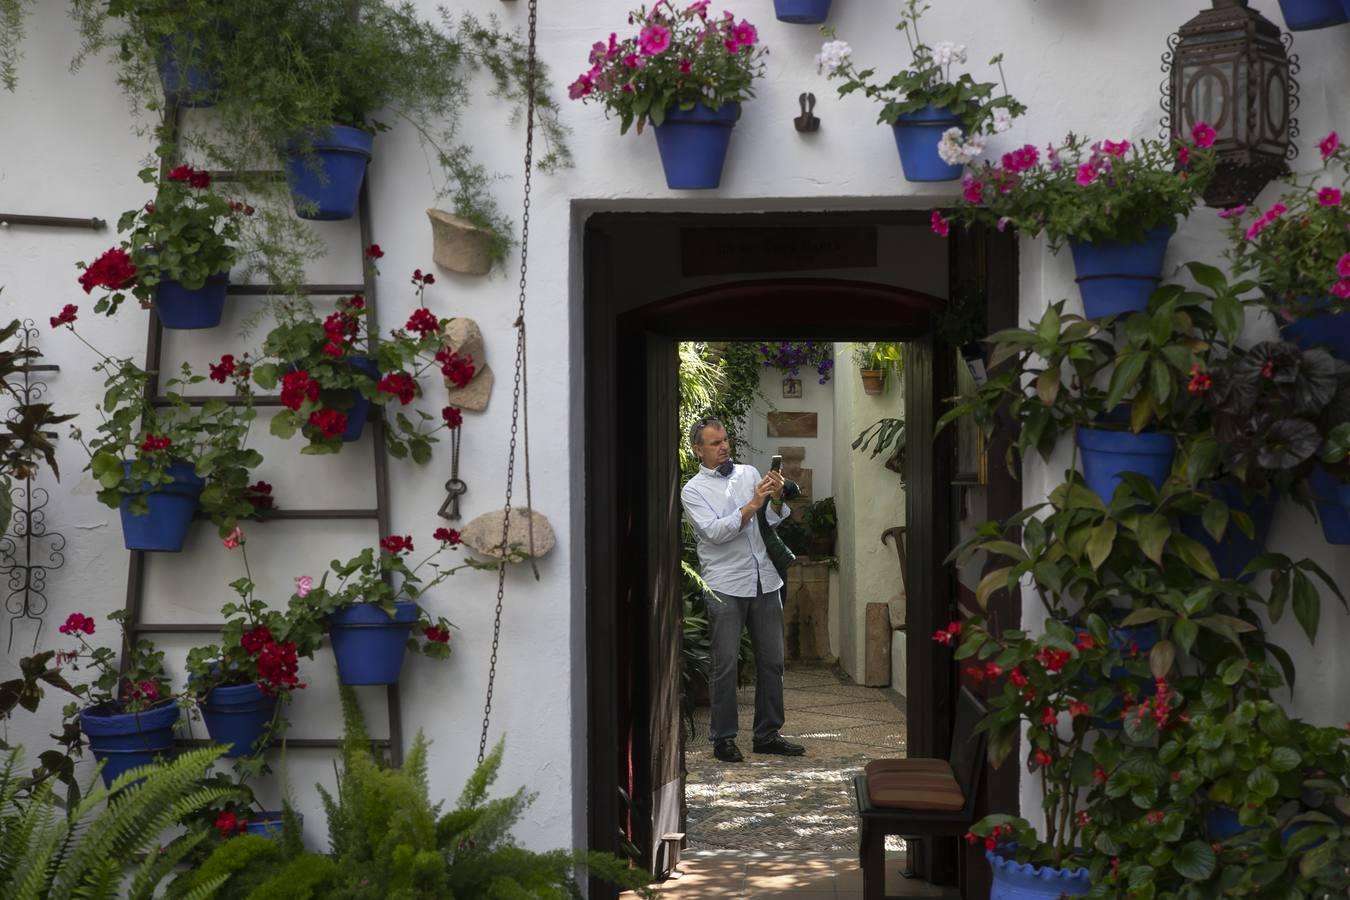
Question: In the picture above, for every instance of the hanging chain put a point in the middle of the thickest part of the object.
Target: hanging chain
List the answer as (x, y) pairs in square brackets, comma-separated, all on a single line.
[(520, 389)]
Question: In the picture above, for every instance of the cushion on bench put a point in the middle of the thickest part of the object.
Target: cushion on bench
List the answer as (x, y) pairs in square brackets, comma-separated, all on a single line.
[(916, 789), (908, 764)]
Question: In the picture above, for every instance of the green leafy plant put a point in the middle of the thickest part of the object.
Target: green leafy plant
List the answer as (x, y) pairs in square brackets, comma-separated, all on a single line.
[(1110, 191), (1299, 248), (681, 57), (928, 81), (887, 435), (106, 844)]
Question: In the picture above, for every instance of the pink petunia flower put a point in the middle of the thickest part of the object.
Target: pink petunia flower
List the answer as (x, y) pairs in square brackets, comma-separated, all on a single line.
[(1087, 173), (1233, 212), (972, 190), (1343, 266), (1111, 148), (1329, 145), (1329, 196), (745, 34), (939, 225), (1204, 135), (1341, 289), (654, 40)]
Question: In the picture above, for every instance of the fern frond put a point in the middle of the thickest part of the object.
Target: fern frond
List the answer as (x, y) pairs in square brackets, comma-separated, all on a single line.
[(206, 890), (483, 777), (157, 866)]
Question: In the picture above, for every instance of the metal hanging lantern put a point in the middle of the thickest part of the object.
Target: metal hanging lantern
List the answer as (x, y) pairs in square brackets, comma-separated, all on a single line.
[(1231, 67)]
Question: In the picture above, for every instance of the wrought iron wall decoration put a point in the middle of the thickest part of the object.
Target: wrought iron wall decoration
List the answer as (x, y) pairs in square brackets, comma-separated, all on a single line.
[(1231, 67), (28, 551)]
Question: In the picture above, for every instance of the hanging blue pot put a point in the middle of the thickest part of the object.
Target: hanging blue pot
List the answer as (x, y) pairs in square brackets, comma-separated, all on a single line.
[(802, 12), (359, 411), (1106, 454), (164, 527), (1330, 331), (237, 715), (1236, 550), (1116, 278), (917, 135), (1330, 498), (693, 145), (370, 645), (1022, 881), (122, 740), (269, 823), (189, 308), (1306, 15), (185, 81), (326, 184)]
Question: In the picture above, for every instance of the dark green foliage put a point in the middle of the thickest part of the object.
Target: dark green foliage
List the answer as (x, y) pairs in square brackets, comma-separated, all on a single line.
[(239, 865)]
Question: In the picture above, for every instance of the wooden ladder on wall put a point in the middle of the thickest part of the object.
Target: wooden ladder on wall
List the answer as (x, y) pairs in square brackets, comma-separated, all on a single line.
[(135, 626)]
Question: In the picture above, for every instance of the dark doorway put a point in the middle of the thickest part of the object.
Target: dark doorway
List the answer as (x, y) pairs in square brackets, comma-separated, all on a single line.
[(632, 509)]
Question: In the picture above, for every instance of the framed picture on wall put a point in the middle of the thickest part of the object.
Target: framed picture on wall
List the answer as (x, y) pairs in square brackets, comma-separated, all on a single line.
[(972, 457), (792, 389)]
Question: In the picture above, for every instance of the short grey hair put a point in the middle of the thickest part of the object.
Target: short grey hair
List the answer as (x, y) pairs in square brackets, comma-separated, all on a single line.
[(696, 432)]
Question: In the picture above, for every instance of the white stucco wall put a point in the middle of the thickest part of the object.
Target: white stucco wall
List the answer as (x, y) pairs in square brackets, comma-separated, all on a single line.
[(817, 398), (67, 148)]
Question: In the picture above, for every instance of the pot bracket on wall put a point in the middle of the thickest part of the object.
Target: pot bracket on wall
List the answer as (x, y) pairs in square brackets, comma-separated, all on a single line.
[(463, 336)]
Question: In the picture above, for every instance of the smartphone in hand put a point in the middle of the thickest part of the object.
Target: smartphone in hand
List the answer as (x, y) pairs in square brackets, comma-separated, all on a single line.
[(776, 464)]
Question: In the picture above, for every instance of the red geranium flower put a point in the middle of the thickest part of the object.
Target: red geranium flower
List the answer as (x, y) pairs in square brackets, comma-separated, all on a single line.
[(396, 544), (436, 633), (1052, 659), (67, 316), (296, 388), (329, 422), (278, 667), (400, 385), (228, 824), (181, 173), (332, 350), (419, 279), (423, 321), (260, 495), (374, 251), (255, 639), (1043, 758), (452, 416), (113, 270), (153, 443), (77, 622), (447, 536), (458, 370), (223, 370)]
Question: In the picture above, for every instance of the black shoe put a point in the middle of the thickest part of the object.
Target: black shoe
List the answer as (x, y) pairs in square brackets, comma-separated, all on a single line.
[(727, 751), (779, 745)]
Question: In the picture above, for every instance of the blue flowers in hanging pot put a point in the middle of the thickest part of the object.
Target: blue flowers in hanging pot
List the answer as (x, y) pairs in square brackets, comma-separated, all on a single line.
[(940, 121), (325, 171), (686, 73)]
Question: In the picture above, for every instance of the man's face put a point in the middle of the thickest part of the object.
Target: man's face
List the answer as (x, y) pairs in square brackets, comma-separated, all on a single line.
[(713, 449)]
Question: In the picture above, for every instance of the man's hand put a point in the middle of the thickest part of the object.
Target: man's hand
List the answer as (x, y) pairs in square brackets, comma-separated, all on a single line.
[(779, 482)]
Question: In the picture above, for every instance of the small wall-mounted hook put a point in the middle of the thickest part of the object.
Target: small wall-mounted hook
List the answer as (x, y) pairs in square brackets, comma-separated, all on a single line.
[(807, 122)]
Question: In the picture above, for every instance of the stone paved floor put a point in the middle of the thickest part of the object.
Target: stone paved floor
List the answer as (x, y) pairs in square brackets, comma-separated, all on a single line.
[(801, 879), (798, 806)]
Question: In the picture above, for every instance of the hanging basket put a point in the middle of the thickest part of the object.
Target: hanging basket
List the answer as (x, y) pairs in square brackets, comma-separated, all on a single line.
[(1107, 454), (1328, 330), (186, 309), (693, 145), (873, 380), (165, 526), (1236, 550), (802, 12), (238, 715), (326, 184), (1307, 15), (368, 644), (1116, 278), (1020, 881), (123, 740), (185, 81), (917, 135), (459, 245), (1332, 500)]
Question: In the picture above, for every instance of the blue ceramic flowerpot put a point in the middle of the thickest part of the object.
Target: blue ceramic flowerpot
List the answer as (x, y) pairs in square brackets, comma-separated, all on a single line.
[(269, 823), (1021, 881), (1332, 500), (693, 145), (1306, 15), (123, 741), (326, 184), (1116, 278), (917, 135), (360, 408), (1126, 640), (1236, 550), (370, 645), (802, 12), (1329, 330), (185, 81), (237, 715), (1106, 454), (164, 527), (188, 308)]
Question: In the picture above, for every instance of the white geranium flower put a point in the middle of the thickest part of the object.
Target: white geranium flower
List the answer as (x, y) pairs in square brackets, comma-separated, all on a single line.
[(956, 151), (1002, 120), (832, 55), (946, 53)]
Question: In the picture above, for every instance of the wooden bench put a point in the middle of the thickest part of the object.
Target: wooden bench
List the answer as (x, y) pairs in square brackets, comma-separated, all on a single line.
[(918, 797)]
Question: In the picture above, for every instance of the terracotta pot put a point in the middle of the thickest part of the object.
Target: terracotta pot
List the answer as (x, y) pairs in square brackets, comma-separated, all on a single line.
[(873, 380), (459, 245)]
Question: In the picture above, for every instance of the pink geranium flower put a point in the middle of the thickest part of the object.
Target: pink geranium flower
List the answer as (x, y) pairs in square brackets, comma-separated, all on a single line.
[(1329, 145), (939, 225), (1341, 289), (303, 585), (972, 190), (1343, 266), (233, 539), (1204, 135), (1329, 196), (654, 40)]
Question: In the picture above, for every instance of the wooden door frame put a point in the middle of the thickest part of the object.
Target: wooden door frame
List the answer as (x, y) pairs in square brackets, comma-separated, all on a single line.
[(612, 334)]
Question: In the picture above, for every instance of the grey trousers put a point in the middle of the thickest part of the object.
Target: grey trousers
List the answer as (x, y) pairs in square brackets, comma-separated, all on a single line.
[(764, 614)]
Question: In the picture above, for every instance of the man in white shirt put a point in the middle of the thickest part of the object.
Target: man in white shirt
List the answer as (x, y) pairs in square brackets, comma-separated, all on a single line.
[(722, 503)]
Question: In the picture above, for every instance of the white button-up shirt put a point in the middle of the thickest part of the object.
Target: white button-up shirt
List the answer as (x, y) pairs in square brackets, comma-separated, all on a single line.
[(731, 557)]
